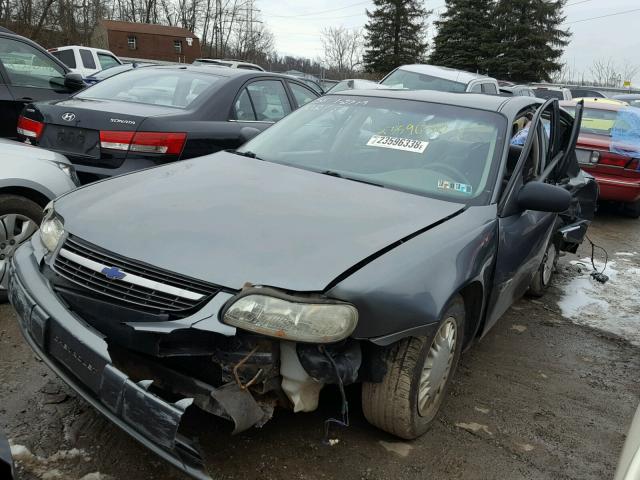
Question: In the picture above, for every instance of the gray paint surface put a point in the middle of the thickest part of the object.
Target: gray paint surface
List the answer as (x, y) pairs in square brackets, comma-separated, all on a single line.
[(229, 220), (31, 167)]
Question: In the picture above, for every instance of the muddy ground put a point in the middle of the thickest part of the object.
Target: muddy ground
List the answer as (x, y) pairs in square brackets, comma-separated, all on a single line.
[(538, 398)]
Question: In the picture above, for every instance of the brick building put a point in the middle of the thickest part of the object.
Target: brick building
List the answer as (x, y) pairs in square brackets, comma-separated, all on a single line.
[(147, 41)]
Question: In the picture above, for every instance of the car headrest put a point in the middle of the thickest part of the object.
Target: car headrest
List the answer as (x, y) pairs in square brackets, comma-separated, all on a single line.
[(514, 155)]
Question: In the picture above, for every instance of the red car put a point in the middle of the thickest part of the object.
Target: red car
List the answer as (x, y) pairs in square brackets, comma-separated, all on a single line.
[(610, 156)]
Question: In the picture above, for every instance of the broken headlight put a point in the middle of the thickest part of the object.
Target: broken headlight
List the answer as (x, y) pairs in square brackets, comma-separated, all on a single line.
[(51, 229), (291, 318)]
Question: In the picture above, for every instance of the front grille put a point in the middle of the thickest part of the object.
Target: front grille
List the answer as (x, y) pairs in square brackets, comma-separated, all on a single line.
[(149, 288)]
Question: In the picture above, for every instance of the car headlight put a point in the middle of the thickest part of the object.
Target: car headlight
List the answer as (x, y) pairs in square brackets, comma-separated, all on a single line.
[(289, 318), (51, 229)]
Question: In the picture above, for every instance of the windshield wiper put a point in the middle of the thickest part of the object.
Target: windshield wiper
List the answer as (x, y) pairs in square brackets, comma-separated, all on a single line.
[(247, 154), (333, 173)]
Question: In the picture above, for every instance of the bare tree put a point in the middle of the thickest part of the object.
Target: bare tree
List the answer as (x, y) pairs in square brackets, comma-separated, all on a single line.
[(342, 48)]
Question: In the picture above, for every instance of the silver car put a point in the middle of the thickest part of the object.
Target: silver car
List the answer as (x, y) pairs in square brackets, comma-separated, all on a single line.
[(30, 177)]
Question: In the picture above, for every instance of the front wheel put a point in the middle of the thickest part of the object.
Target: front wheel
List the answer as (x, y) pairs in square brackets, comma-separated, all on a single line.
[(419, 372), (19, 219)]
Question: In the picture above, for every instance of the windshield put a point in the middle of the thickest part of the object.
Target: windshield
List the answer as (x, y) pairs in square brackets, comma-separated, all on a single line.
[(429, 149), (419, 81), (547, 94), (170, 88)]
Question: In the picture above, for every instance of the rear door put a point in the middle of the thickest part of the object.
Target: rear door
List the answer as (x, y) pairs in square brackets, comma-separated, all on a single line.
[(301, 94), (31, 76), (260, 104), (8, 118)]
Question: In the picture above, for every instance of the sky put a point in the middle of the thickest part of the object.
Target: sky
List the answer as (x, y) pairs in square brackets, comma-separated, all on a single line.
[(296, 25)]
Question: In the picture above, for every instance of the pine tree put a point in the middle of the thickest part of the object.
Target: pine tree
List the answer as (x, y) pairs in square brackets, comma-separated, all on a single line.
[(464, 35), (528, 40), (395, 34)]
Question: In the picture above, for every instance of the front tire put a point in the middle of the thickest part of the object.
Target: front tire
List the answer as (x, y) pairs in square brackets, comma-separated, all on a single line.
[(419, 372), (19, 219)]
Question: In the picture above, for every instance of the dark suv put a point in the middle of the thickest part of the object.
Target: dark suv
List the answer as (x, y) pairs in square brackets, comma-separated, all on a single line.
[(29, 73)]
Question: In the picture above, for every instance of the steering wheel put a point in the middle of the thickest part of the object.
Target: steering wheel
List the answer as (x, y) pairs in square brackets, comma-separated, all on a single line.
[(452, 172)]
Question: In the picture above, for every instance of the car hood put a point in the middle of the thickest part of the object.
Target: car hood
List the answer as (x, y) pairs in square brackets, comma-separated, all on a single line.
[(230, 220)]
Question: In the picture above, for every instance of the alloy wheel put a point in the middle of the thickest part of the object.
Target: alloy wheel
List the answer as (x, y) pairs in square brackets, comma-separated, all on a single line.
[(14, 230)]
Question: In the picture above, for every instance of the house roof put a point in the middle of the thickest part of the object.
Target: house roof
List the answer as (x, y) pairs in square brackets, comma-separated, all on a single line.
[(149, 28)]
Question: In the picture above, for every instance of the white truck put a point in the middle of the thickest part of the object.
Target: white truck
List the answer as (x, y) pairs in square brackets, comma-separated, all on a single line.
[(85, 60)]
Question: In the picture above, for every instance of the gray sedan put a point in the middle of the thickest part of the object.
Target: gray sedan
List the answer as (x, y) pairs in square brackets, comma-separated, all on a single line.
[(30, 177), (369, 237)]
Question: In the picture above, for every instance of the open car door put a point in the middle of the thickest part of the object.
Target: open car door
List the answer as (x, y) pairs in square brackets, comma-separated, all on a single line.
[(527, 236), (562, 168)]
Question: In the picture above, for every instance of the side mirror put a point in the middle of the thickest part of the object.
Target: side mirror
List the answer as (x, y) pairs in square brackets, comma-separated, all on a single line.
[(74, 81), (247, 133), (544, 197)]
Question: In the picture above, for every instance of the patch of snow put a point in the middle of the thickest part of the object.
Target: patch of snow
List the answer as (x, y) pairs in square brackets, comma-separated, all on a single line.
[(627, 254), (612, 307), (49, 468), (399, 448)]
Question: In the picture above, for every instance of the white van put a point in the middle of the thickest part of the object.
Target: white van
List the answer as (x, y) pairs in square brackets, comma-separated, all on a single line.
[(85, 60)]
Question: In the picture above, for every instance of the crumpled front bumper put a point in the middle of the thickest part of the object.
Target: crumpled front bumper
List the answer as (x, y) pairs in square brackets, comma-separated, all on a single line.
[(78, 355)]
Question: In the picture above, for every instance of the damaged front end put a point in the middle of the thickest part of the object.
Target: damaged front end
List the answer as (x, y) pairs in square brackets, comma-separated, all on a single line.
[(148, 359)]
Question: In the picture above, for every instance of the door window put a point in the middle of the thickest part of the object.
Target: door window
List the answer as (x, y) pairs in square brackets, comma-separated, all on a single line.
[(302, 94), (489, 88), (269, 100), (67, 57), (242, 110), (107, 61), (29, 67), (87, 59), (476, 88)]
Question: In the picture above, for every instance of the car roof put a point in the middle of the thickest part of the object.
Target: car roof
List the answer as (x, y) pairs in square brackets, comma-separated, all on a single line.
[(219, 70), (555, 89), (596, 103), (494, 103), (602, 100), (444, 72), (627, 96), (511, 88)]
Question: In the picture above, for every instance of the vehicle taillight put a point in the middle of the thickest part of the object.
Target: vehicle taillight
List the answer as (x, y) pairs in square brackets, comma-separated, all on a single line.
[(158, 142), (144, 142), (116, 140), (613, 160), (29, 128)]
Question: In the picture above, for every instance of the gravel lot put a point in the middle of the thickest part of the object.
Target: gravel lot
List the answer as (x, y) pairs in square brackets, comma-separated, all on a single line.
[(541, 397)]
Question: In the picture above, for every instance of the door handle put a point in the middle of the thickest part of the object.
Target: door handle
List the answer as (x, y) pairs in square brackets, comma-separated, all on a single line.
[(25, 99)]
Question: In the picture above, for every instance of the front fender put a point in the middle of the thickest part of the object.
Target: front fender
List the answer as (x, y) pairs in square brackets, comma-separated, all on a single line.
[(404, 292)]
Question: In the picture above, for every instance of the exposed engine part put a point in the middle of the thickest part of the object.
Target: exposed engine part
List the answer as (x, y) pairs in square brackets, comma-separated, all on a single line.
[(250, 361), (297, 384), (240, 406), (331, 364), (239, 365)]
